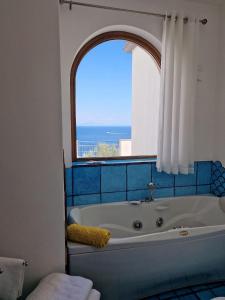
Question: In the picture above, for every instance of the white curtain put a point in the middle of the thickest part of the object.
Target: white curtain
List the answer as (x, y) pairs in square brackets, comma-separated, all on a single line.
[(177, 96)]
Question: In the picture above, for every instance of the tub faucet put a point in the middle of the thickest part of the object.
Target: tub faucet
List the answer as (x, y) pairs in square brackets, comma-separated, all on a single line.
[(151, 187)]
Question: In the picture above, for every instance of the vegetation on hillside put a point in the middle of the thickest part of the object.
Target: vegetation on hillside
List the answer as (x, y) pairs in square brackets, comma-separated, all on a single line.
[(103, 150)]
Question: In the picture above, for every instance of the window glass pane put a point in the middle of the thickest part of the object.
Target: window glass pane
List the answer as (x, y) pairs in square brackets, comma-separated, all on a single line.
[(117, 89)]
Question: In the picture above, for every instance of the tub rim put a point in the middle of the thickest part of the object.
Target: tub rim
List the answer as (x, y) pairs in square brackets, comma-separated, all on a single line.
[(125, 243)]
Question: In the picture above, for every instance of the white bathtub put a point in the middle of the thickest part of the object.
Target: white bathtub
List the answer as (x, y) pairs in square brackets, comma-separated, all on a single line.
[(188, 248)]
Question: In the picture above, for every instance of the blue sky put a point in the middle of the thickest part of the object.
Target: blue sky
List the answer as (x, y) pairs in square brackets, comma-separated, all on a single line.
[(103, 86)]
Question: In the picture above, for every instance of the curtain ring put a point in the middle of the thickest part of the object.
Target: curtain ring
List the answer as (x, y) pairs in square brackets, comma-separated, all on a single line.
[(25, 263), (186, 20), (204, 21)]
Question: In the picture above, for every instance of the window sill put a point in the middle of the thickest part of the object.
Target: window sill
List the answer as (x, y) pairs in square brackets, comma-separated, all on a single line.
[(112, 162)]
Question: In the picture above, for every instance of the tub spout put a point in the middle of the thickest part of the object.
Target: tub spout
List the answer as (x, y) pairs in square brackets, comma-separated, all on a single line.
[(151, 187)]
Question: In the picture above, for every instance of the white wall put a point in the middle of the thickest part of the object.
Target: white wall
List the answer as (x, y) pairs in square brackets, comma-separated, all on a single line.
[(31, 166), (145, 103), (220, 112), (78, 25)]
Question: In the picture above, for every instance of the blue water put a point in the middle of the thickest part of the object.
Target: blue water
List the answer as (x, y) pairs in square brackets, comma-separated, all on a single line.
[(89, 136)]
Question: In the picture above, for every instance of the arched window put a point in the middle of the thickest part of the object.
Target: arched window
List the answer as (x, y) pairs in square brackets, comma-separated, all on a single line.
[(114, 98)]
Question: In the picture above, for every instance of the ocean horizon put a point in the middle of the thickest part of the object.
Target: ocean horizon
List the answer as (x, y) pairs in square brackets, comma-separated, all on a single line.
[(103, 133), (89, 136)]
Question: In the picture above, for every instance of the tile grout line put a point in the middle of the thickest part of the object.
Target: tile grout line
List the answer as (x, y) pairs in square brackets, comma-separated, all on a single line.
[(151, 164), (126, 184), (174, 185), (211, 177), (100, 184), (73, 196), (135, 190), (197, 177)]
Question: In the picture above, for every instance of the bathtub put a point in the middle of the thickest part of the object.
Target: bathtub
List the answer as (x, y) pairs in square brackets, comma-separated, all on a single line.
[(154, 247)]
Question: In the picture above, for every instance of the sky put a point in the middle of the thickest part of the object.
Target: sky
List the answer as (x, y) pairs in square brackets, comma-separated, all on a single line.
[(103, 86)]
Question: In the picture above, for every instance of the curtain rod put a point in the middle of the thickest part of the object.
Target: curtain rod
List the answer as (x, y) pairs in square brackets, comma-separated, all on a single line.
[(71, 3)]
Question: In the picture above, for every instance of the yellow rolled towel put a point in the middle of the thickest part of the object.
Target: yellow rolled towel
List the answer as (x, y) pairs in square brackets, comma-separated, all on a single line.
[(89, 235)]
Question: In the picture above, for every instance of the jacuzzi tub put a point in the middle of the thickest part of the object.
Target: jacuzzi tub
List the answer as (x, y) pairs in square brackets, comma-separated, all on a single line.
[(154, 246)]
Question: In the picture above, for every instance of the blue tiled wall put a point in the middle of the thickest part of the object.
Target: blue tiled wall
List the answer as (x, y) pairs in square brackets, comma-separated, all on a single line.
[(218, 179), (127, 180)]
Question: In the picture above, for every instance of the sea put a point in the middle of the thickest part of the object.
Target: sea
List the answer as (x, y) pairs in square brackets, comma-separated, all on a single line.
[(89, 136)]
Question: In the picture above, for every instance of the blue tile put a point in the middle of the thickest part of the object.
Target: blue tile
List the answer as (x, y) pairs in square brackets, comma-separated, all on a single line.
[(69, 181), (137, 195), (164, 192), (221, 190), (86, 180), (113, 197), (216, 164), (221, 179), (162, 179), (216, 193), (213, 178), (203, 189), (69, 201), (185, 191), (204, 172), (219, 291), (217, 173), (138, 176), (218, 179), (217, 183), (86, 199), (113, 179), (184, 180), (221, 169), (205, 295)]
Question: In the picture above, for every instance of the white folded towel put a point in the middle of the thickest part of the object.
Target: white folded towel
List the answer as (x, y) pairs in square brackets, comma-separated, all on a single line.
[(59, 286), (94, 295), (11, 278)]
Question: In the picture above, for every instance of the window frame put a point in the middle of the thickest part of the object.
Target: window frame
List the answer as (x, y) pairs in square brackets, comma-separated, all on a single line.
[(101, 38)]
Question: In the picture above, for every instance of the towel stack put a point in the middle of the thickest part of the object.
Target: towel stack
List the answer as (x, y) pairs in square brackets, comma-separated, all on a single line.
[(59, 286), (11, 278)]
